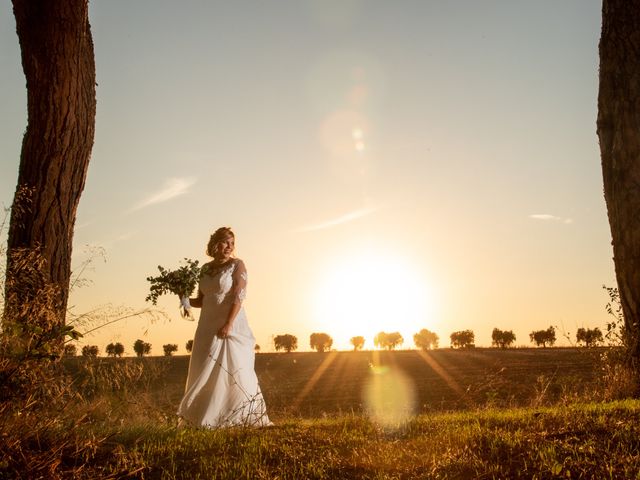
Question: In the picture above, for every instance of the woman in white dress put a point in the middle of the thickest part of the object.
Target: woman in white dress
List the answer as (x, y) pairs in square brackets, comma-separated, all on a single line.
[(222, 388)]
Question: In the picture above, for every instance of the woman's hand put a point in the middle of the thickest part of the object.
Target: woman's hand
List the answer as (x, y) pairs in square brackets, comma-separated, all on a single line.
[(184, 302), (225, 330)]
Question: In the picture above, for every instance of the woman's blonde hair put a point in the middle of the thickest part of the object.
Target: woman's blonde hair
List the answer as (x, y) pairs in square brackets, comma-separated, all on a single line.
[(219, 235)]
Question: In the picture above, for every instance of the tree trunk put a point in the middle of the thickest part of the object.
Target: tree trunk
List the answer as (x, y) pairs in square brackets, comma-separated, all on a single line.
[(58, 63), (619, 134)]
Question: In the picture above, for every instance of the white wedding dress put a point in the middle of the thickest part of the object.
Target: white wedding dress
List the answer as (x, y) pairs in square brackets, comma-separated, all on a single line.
[(222, 388)]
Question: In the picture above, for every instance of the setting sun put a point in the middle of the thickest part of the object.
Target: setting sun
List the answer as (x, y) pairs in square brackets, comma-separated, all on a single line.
[(369, 292)]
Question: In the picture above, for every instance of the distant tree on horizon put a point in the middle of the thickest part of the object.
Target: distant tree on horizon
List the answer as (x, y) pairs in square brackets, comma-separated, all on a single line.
[(388, 340), (70, 350), (90, 351), (543, 337), (114, 350), (285, 342), (189, 346), (425, 339), (141, 348), (320, 342), (169, 349), (357, 342), (591, 337), (502, 338), (463, 339)]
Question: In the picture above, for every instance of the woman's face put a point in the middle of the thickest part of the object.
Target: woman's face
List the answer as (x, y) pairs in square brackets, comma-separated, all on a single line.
[(224, 248)]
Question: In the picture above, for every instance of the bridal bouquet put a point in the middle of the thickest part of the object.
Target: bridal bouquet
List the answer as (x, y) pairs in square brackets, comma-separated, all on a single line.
[(182, 282)]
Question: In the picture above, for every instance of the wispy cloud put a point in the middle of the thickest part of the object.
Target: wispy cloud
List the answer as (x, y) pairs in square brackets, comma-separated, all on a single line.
[(78, 226), (347, 217), (112, 240), (173, 187), (124, 236), (545, 217)]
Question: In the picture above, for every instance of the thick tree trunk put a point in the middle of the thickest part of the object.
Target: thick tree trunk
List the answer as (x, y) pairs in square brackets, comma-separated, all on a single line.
[(58, 62), (619, 134)]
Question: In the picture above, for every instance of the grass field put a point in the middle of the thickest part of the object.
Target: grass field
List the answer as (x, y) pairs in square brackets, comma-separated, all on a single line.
[(310, 385), (588, 441), (482, 413)]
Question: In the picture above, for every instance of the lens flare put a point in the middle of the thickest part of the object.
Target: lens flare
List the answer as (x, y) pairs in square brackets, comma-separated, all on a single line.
[(337, 134), (389, 396)]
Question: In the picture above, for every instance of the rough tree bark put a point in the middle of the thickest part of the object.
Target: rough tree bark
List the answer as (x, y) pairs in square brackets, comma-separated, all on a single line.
[(619, 134), (58, 63)]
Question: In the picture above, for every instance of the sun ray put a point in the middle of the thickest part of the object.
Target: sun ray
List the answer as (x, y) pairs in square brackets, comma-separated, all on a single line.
[(314, 379), (449, 380)]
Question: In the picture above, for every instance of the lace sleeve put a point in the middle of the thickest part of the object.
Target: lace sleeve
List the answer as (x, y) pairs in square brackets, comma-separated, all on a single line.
[(239, 289)]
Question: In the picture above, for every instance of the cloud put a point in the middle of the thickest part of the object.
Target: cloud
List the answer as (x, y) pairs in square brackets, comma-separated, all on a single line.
[(173, 187), (124, 236), (113, 240), (550, 218), (347, 217), (78, 226), (544, 216)]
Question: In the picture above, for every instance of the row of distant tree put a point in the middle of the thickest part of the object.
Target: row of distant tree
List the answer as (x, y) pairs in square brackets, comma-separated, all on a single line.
[(427, 340), (140, 347), (321, 342)]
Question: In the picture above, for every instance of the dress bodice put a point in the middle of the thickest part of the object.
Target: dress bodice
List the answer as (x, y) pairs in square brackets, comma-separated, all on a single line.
[(223, 284)]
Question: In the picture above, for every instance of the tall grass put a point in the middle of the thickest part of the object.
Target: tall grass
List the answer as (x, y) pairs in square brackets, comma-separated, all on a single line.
[(582, 441), (50, 420)]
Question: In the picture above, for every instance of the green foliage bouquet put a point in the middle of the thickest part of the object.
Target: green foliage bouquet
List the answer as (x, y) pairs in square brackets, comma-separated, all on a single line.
[(182, 282)]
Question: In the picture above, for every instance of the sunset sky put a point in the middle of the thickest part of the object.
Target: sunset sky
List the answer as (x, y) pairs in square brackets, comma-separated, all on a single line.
[(385, 165)]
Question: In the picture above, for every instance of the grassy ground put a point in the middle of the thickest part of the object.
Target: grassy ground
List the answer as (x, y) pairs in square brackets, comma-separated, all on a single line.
[(476, 414), (591, 441)]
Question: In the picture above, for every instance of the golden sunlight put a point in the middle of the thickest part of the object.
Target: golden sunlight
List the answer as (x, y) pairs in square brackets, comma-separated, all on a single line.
[(372, 291), (389, 396)]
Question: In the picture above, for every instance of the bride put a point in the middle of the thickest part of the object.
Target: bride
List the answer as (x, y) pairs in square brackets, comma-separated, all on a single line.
[(222, 388)]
